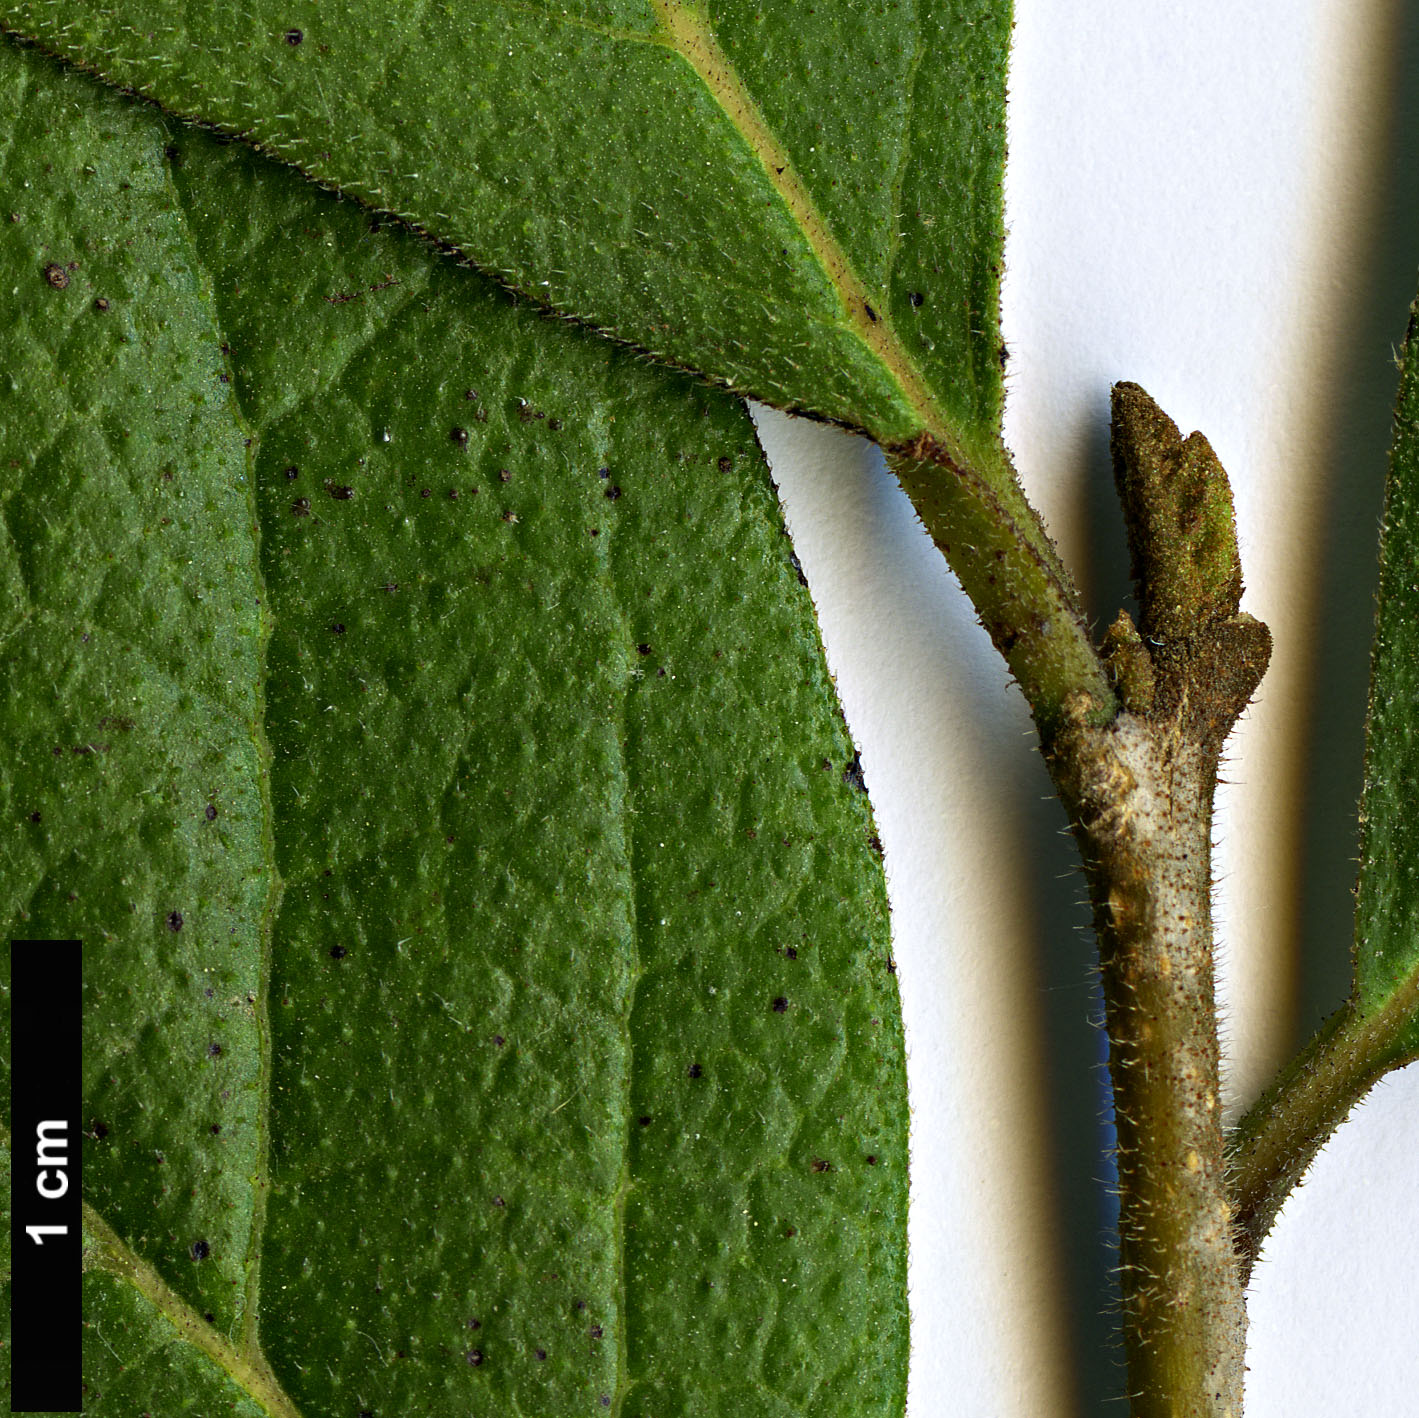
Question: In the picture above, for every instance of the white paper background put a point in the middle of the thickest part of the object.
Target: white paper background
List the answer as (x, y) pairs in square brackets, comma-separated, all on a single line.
[(1220, 201)]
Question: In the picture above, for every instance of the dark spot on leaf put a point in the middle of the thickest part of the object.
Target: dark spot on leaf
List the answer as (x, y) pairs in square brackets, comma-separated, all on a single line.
[(215, 1129), (211, 1319), (56, 275), (780, 1005), (790, 1232), (294, 37), (210, 813), (100, 304), (424, 492), (97, 1130), (603, 472), (504, 476), (644, 1120), (541, 1354), (696, 1071), (875, 842), (199, 1250), (475, 1324), (338, 628), (916, 298), (580, 1304), (459, 435), (173, 154), (470, 394), (555, 425), (643, 649), (339, 493), (338, 952), (891, 966), (498, 1201), (474, 1357), (797, 565), (606, 1400), (499, 1040), (821, 1166), (300, 507), (726, 464), (174, 921), (871, 314), (791, 951), (35, 817), (453, 494), (612, 493), (852, 774), (214, 1050), (292, 473), (871, 1159), (596, 1331)]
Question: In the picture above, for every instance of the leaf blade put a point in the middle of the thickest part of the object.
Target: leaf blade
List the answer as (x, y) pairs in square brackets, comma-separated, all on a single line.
[(389, 668), (1378, 1028), (1387, 897), (747, 247)]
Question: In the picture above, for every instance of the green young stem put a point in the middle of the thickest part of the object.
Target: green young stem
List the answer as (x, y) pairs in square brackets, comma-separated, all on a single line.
[(1280, 1135), (997, 545)]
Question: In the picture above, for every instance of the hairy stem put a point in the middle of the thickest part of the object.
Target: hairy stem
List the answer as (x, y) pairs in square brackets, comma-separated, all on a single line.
[(1140, 795), (1133, 737), (996, 544), (1279, 1137)]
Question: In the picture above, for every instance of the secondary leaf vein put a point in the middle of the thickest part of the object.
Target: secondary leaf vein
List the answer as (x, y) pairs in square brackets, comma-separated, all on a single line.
[(106, 1251), (251, 1342)]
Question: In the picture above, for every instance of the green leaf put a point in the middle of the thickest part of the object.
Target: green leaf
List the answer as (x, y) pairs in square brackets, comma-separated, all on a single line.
[(801, 203), (413, 706), (1387, 900), (1378, 1029)]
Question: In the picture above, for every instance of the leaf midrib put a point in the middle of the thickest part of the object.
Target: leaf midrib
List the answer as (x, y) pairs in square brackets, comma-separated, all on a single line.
[(685, 30)]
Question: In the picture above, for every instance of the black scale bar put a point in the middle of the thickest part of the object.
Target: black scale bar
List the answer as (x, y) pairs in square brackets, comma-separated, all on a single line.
[(45, 1220)]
